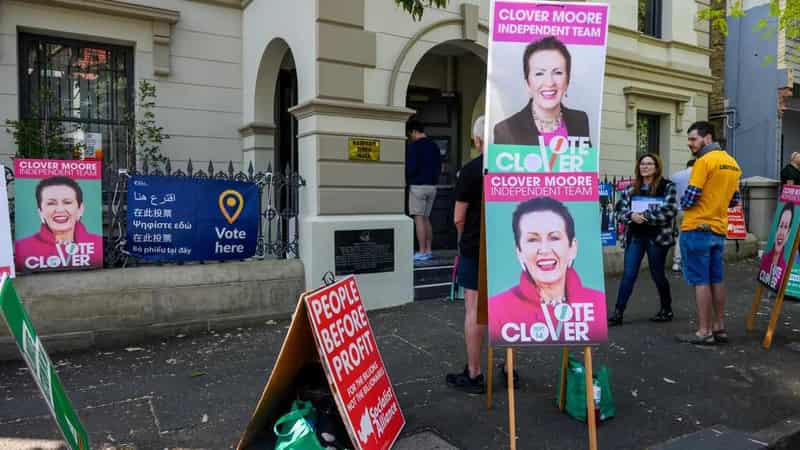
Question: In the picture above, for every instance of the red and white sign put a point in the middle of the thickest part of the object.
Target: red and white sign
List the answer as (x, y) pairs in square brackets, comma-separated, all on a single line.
[(354, 366), (736, 226), (6, 249)]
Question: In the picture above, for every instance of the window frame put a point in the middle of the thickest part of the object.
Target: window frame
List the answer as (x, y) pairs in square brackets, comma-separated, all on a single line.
[(27, 41), (654, 133), (653, 19)]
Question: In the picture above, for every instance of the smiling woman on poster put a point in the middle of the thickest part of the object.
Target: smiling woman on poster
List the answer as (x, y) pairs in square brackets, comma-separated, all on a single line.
[(546, 247), (547, 66), (773, 263), (62, 240)]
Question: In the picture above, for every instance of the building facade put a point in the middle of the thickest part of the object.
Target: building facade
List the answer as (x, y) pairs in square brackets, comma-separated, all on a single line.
[(290, 83)]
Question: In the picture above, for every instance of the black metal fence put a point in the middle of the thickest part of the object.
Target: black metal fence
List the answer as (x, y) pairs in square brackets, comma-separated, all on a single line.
[(278, 230)]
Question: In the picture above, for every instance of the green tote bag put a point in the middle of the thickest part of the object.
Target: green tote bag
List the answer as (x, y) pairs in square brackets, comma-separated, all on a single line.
[(294, 429), (576, 391)]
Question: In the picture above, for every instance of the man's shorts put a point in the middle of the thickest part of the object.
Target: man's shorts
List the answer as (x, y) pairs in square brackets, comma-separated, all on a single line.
[(701, 255), (467, 273), (420, 200)]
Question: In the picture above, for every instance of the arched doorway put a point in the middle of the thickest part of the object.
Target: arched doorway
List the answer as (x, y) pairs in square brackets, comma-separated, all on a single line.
[(285, 123), (273, 137), (276, 91), (446, 89)]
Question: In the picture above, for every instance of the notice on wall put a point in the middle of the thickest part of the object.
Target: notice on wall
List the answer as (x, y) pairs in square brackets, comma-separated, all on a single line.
[(58, 215), (777, 257), (6, 246), (608, 218), (346, 345), (93, 149), (542, 193), (364, 149), (364, 251), (191, 219), (41, 368)]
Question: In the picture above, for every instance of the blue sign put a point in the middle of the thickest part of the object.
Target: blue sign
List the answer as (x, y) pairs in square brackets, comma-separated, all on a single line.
[(608, 229), (191, 219)]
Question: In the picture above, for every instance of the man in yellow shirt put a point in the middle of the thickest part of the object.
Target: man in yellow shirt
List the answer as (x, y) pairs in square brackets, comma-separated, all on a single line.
[(713, 187)]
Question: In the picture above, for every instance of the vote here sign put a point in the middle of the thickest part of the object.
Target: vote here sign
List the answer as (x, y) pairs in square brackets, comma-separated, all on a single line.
[(353, 365)]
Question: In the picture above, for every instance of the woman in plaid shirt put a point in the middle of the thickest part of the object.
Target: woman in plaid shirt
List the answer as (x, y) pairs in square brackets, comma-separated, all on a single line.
[(647, 208)]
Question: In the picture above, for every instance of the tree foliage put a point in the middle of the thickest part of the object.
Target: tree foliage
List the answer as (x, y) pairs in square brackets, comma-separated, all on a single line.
[(41, 134), (417, 7), (784, 15), (148, 134)]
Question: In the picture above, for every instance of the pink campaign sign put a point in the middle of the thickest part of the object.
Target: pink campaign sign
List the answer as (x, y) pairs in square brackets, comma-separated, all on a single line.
[(570, 23), (790, 193), (562, 186)]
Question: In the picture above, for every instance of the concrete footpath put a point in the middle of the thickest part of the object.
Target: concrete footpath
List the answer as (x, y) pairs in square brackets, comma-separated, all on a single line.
[(198, 392)]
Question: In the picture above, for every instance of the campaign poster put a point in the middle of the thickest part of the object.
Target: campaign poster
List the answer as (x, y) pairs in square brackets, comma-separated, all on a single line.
[(58, 215), (354, 367), (737, 230), (544, 98), (191, 219), (608, 218), (777, 254), (6, 246)]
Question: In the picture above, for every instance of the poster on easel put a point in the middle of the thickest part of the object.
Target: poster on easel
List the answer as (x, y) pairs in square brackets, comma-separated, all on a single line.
[(330, 329), (6, 246), (782, 248), (777, 257), (544, 93)]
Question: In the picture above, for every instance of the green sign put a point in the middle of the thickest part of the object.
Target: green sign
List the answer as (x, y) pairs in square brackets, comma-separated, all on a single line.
[(41, 367), (793, 286)]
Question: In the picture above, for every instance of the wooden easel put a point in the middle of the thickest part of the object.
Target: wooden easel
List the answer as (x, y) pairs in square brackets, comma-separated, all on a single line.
[(776, 308), (512, 427)]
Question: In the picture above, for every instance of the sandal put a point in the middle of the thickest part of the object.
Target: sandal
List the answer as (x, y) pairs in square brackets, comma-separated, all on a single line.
[(695, 339), (720, 336)]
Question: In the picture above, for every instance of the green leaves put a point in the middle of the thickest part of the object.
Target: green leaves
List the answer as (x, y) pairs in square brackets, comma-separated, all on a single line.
[(417, 7), (783, 17), (148, 135)]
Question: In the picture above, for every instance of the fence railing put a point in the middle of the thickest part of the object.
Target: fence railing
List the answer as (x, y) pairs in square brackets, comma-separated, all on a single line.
[(278, 229)]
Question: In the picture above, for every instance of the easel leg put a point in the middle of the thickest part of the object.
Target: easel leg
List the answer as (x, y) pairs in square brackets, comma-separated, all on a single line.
[(489, 377), (751, 318), (562, 389), (512, 426), (590, 419), (773, 320)]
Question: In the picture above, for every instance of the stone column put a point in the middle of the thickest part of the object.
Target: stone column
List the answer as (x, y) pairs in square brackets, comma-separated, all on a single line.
[(258, 146), (351, 194)]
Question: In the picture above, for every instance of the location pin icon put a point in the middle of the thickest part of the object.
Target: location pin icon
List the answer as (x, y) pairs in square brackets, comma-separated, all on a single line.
[(231, 203)]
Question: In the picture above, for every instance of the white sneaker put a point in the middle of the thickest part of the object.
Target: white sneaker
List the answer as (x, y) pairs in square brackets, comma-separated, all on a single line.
[(676, 267)]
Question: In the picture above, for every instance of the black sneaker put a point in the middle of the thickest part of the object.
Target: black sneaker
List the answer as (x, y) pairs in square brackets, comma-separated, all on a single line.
[(663, 316), (502, 367), (616, 319), (463, 382)]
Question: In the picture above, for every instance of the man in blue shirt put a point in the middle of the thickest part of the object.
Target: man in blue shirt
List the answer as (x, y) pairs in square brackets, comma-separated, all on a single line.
[(423, 166)]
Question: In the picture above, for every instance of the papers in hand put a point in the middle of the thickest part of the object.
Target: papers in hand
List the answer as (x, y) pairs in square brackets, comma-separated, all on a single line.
[(640, 204)]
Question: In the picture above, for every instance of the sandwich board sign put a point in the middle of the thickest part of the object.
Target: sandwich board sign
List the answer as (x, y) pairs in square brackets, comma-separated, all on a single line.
[(41, 367), (331, 325)]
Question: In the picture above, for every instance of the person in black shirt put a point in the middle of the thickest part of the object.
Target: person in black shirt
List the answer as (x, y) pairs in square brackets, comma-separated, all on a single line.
[(791, 173), (467, 218)]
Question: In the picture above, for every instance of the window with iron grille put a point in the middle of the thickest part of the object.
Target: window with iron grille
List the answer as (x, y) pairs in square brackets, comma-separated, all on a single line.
[(647, 133), (80, 87)]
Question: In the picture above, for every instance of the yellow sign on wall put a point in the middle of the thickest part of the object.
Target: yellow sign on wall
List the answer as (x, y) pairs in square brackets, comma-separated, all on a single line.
[(363, 149)]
